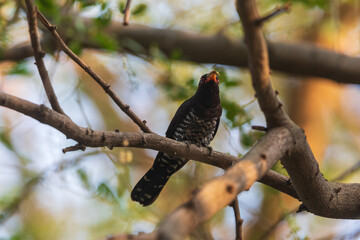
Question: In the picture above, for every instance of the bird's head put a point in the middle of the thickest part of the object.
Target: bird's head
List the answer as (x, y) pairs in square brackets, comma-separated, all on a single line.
[(209, 78), (207, 93)]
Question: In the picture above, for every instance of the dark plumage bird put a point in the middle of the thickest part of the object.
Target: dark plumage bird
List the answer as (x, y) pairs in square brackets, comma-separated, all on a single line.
[(195, 122)]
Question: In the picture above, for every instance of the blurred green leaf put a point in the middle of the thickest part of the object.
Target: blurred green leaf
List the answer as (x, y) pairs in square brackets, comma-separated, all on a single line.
[(105, 41), (49, 8), (310, 3), (5, 139), (75, 46), (87, 3), (224, 78), (84, 178), (249, 139), (176, 54), (20, 68), (105, 192), (104, 18), (139, 9), (122, 6), (235, 114)]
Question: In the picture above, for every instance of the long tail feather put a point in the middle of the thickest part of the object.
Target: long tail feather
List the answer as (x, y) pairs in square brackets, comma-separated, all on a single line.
[(150, 185)]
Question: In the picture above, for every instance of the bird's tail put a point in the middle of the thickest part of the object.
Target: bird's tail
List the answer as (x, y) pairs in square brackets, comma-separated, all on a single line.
[(150, 185)]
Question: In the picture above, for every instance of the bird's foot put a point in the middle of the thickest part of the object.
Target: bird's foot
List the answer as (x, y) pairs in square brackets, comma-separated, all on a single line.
[(210, 150)]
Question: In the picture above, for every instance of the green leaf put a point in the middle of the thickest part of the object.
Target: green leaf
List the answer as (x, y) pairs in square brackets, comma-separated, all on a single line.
[(311, 3), (49, 8), (5, 139), (84, 178), (76, 47), (105, 192), (19, 69), (139, 9), (87, 3), (104, 18), (105, 41), (235, 114), (121, 6), (250, 138)]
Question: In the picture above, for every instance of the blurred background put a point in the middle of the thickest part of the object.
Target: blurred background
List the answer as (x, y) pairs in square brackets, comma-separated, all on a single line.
[(46, 194)]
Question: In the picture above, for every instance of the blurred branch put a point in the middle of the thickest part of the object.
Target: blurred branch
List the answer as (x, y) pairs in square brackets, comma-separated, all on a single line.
[(140, 236), (39, 54), (238, 220), (32, 183), (347, 172), (14, 206), (125, 108), (295, 59), (126, 13), (277, 11)]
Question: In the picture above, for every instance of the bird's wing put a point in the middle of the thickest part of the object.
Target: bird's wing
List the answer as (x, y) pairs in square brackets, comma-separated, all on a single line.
[(216, 127), (180, 114)]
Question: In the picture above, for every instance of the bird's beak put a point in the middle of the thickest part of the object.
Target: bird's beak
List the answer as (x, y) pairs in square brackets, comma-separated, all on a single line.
[(213, 76)]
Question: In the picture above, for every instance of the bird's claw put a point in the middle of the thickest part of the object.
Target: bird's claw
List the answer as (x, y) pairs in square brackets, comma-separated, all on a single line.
[(210, 150)]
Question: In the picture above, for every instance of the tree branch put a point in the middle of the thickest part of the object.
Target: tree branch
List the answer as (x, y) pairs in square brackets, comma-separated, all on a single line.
[(125, 108), (259, 65), (279, 182), (284, 8), (294, 59), (319, 196), (91, 138), (126, 13), (39, 54), (238, 220)]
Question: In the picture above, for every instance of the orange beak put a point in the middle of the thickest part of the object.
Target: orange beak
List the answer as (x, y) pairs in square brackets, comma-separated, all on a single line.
[(213, 76)]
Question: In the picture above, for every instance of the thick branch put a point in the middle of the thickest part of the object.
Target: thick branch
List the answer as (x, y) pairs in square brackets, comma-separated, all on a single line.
[(259, 64), (323, 198), (279, 182), (39, 54), (319, 196), (125, 108), (295, 59)]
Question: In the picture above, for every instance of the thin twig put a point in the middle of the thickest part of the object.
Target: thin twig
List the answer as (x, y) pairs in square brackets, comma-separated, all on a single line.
[(238, 220), (259, 128), (277, 11), (74, 148), (125, 108), (126, 13), (39, 54)]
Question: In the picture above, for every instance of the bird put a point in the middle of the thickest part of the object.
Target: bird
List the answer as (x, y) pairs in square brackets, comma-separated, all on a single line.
[(195, 122)]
